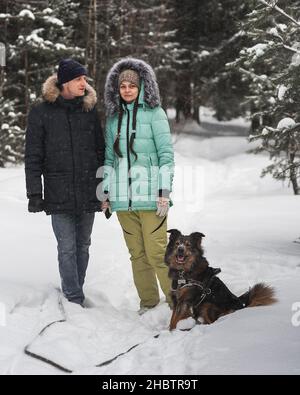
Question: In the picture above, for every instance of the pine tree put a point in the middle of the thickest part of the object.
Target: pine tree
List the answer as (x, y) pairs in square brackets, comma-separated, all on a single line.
[(11, 135), (270, 64), (221, 42), (36, 35), (120, 28), (209, 35)]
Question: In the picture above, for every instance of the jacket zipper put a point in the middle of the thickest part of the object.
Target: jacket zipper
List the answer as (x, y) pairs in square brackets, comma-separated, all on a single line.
[(129, 163), (73, 161)]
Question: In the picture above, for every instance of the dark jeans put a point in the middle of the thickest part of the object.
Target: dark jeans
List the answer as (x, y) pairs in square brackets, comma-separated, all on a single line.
[(73, 234)]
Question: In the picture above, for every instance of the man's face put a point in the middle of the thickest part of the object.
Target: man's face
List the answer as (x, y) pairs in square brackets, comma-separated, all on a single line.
[(75, 87)]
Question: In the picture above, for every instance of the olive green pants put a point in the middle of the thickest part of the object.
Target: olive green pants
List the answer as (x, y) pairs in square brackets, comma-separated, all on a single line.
[(146, 238)]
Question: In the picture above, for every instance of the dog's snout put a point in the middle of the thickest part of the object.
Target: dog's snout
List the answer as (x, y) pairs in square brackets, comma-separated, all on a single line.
[(180, 250)]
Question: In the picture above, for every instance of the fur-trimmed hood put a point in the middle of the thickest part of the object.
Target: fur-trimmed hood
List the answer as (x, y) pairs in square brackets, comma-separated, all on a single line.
[(51, 92), (149, 88)]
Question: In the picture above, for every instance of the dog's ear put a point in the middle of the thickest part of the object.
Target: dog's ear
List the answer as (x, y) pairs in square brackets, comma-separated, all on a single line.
[(174, 234), (197, 237)]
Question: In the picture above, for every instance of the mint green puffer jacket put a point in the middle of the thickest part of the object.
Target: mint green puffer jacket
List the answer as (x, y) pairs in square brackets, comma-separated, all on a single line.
[(153, 169)]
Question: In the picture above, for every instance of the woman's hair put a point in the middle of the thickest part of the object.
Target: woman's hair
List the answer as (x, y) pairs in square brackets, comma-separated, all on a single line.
[(132, 137), (117, 141)]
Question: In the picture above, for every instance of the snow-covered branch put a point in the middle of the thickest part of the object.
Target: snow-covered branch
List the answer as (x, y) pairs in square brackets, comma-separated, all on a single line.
[(253, 75), (291, 49), (280, 10)]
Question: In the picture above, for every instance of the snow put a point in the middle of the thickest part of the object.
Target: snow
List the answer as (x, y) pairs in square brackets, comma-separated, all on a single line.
[(33, 37), (47, 10), (207, 115), (26, 14), (265, 132), (273, 31), (249, 223), (54, 21), (60, 46), (203, 54), (258, 49), (5, 16), (282, 26), (282, 89), (272, 100), (286, 123), (295, 62)]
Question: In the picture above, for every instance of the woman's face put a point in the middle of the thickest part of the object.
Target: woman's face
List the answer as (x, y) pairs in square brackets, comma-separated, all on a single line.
[(128, 91)]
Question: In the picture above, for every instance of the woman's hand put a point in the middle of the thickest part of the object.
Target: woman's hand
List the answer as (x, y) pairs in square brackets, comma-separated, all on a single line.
[(163, 205), (105, 205)]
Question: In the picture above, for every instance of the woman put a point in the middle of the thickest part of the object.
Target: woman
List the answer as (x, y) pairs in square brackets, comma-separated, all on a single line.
[(139, 166)]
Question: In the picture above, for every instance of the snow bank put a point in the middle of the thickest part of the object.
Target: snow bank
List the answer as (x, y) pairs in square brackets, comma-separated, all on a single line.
[(249, 224)]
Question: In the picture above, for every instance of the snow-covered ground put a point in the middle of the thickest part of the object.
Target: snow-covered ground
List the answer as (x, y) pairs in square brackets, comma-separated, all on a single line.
[(250, 224)]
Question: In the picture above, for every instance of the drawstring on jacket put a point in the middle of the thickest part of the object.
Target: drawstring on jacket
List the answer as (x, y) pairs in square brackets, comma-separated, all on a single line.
[(133, 133)]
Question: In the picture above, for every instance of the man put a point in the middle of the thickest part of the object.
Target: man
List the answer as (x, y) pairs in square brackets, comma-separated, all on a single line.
[(65, 145)]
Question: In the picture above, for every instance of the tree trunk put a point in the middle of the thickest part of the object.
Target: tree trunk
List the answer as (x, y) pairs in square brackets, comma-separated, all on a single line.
[(1, 81), (293, 175), (26, 98), (95, 27), (187, 97), (183, 97), (88, 34), (2, 68), (196, 114), (179, 109)]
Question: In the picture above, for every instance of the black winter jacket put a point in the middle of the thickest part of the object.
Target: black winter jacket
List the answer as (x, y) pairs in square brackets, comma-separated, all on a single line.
[(65, 147)]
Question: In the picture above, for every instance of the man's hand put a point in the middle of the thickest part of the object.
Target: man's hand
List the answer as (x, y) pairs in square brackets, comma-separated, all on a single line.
[(35, 204)]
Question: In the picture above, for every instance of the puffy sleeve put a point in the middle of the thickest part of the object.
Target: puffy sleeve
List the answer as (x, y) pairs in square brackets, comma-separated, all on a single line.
[(165, 152), (109, 156), (34, 153)]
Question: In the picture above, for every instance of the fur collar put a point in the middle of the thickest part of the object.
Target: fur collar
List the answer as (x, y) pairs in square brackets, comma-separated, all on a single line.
[(51, 92), (151, 92)]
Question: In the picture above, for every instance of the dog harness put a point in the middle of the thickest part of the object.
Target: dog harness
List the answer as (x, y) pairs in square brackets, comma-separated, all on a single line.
[(204, 287)]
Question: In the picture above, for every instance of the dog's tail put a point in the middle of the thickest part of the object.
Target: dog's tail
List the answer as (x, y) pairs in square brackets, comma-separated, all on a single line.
[(260, 294)]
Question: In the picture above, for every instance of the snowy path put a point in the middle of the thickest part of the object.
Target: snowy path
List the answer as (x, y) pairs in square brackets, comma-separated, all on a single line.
[(249, 224)]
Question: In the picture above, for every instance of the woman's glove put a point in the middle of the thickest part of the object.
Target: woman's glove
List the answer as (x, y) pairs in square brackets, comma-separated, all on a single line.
[(163, 205)]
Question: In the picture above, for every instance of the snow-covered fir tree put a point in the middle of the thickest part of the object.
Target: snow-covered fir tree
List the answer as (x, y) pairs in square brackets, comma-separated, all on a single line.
[(271, 67), (11, 135), (209, 37), (220, 42), (36, 35), (118, 28)]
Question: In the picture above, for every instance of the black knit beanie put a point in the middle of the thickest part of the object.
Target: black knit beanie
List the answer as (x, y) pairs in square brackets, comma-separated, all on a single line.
[(69, 69)]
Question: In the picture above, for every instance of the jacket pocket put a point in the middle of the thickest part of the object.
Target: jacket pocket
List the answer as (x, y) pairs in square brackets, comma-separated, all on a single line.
[(56, 189)]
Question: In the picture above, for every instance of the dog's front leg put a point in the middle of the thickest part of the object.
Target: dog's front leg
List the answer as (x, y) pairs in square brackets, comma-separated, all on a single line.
[(180, 312)]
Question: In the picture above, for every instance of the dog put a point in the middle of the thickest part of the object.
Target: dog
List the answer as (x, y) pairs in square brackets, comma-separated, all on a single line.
[(196, 290)]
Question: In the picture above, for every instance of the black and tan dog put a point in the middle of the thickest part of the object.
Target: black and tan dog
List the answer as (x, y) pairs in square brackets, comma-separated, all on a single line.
[(196, 290)]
